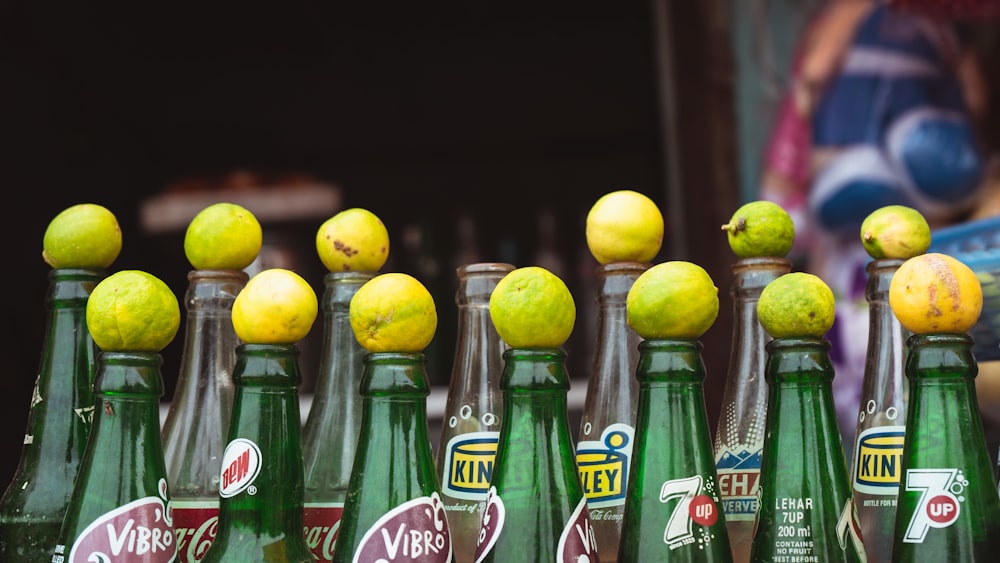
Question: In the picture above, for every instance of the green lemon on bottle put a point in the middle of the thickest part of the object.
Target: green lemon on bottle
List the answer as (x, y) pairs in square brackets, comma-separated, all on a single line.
[(532, 308), (393, 312), (895, 231), (354, 239), (624, 226), (223, 236), (132, 311), (796, 305), (760, 229), (276, 306), (86, 235), (675, 299)]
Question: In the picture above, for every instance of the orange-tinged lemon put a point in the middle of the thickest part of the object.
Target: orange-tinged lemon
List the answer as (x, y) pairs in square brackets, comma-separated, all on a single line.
[(532, 308), (276, 306), (760, 228), (85, 235), (935, 292), (624, 226), (674, 299), (132, 311), (895, 231), (393, 312), (353, 239), (223, 236), (796, 305)]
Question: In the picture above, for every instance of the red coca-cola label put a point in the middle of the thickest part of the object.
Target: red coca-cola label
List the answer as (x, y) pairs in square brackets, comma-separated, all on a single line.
[(491, 524), (195, 526), (577, 543), (140, 531), (416, 530), (322, 522)]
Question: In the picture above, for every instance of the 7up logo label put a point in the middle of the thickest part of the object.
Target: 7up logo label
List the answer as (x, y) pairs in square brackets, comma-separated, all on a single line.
[(940, 500)]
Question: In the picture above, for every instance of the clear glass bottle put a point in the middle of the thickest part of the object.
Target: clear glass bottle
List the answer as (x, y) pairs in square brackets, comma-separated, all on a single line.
[(947, 509), (393, 509), (878, 450), (260, 485), (673, 507), (195, 428), (607, 425), (535, 511), (332, 427), (59, 421), (739, 435), (471, 429)]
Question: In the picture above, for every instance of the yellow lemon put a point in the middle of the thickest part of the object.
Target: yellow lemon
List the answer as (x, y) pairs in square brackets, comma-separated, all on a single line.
[(532, 308), (674, 299), (86, 235), (393, 312), (354, 239), (935, 293), (223, 236), (276, 306), (760, 228), (895, 231), (624, 226), (132, 311), (796, 305)]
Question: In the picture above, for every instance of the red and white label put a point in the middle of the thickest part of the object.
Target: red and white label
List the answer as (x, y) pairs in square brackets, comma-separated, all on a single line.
[(491, 524), (195, 524), (577, 543), (416, 530), (938, 505), (322, 522), (241, 464)]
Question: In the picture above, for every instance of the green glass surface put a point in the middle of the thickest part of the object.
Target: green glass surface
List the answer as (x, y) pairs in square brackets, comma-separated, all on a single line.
[(672, 509), (945, 461), (59, 421)]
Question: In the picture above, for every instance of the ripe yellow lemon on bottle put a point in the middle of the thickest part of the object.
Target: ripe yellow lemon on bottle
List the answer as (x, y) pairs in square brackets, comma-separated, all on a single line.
[(393, 312), (223, 236), (354, 239), (796, 305), (85, 235), (895, 231), (276, 306), (935, 292), (532, 308), (674, 299), (624, 226), (760, 228), (132, 311)]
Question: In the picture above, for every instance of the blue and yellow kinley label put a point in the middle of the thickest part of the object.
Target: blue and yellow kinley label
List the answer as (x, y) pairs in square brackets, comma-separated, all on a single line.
[(469, 459), (879, 460), (603, 466)]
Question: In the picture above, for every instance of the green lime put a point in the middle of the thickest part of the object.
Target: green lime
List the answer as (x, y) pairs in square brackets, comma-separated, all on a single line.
[(672, 300), (223, 236), (797, 304), (760, 228), (895, 231), (86, 235), (532, 308), (132, 311)]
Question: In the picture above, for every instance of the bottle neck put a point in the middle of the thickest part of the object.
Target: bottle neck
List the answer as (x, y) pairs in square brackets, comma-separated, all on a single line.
[(135, 374), (267, 365), (673, 361), (395, 374), (535, 369), (940, 358), (71, 287), (798, 361)]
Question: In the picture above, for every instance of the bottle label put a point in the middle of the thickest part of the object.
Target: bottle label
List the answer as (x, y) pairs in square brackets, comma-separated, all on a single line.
[(739, 479), (577, 541), (692, 501), (940, 500), (493, 518), (879, 461), (603, 466), (241, 464), (195, 524), (793, 530), (416, 530), (141, 530), (322, 522), (469, 459)]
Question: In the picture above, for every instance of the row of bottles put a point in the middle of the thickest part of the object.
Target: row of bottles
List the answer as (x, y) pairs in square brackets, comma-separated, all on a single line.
[(775, 484)]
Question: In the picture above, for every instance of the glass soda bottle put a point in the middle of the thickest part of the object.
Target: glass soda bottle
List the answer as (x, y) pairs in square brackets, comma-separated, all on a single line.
[(330, 434), (59, 421), (535, 510), (196, 425), (393, 510), (739, 436), (948, 509), (607, 426), (121, 508), (471, 429), (878, 449), (261, 480), (805, 511), (673, 511)]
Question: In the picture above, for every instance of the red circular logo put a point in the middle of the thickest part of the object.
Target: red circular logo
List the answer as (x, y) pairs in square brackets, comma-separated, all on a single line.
[(942, 509), (703, 510)]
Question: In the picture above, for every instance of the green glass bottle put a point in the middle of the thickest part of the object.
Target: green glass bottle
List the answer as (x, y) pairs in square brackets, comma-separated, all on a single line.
[(120, 509), (607, 426), (260, 485), (672, 510), (948, 509), (330, 434), (393, 510), (59, 421), (536, 510), (806, 509)]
